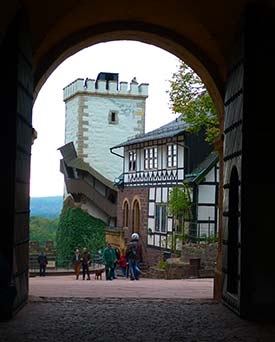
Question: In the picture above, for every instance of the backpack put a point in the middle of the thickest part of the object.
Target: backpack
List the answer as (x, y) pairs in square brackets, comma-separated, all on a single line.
[(132, 251)]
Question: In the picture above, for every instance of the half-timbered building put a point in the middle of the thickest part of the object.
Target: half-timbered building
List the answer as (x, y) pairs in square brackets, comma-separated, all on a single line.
[(154, 163)]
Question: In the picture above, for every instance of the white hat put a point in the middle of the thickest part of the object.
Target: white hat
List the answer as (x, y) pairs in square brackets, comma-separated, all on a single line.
[(135, 236)]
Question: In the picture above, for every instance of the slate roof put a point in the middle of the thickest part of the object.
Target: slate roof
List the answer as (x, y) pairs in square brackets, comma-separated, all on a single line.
[(201, 170), (172, 129)]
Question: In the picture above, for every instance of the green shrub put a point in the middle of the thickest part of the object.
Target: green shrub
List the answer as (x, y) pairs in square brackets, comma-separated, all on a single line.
[(78, 229), (162, 264)]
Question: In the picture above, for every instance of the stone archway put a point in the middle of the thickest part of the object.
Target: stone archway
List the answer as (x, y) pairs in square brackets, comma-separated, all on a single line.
[(155, 35), (220, 42)]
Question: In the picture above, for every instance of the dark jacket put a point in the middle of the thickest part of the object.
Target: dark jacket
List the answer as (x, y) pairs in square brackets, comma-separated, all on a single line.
[(42, 259), (86, 258), (76, 260), (134, 250)]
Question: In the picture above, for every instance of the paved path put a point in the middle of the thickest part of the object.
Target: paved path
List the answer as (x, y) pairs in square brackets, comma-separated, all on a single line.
[(121, 310), (67, 286)]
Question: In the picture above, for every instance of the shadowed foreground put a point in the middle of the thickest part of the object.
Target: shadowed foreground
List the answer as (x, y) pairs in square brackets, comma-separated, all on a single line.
[(130, 319)]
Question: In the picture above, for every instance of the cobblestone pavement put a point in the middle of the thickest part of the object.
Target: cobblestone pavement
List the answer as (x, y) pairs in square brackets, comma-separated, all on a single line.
[(61, 308), (130, 319)]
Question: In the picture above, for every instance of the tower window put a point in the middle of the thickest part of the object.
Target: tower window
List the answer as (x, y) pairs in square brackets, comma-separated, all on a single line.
[(113, 117)]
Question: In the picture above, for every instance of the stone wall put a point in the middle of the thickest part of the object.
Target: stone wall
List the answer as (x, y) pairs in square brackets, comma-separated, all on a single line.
[(132, 194), (207, 254), (35, 248), (197, 261)]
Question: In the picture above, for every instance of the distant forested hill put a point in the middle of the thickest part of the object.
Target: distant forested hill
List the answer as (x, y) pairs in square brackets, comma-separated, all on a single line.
[(48, 207)]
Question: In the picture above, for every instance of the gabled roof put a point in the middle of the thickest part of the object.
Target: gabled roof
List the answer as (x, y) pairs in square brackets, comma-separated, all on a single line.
[(172, 129), (197, 175)]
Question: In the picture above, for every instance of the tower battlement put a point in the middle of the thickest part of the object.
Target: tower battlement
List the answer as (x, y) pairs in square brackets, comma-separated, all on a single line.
[(105, 87)]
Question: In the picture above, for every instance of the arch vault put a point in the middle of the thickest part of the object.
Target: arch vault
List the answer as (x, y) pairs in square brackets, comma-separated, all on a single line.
[(230, 44)]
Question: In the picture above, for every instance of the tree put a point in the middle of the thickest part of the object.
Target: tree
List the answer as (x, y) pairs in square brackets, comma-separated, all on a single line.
[(43, 229), (189, 97), (180, 207)]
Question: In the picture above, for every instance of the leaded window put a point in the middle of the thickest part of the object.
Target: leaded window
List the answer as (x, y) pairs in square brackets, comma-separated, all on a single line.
[(172, 155), (150, 158), (161, 219), (132, 160)]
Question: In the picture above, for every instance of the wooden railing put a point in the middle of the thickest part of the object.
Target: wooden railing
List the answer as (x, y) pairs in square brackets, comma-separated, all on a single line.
[(153, 177)]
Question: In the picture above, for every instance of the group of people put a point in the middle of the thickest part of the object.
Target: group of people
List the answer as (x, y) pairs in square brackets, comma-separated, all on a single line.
[(83, 260), (128, 261)]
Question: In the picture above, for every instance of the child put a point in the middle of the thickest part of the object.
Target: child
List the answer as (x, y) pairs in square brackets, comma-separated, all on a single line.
[(122, 263)]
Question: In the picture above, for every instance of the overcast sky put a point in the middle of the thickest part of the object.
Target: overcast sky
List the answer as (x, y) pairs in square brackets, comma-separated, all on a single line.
[(147, 63)]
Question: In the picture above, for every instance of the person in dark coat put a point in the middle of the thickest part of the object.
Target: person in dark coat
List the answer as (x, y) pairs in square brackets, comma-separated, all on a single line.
[(116, 264), (76, 262), (134, 256), (86, 261), (42, 261)]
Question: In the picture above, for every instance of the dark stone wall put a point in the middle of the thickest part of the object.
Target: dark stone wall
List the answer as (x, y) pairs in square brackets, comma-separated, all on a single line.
[(248, 146), (16, 97)]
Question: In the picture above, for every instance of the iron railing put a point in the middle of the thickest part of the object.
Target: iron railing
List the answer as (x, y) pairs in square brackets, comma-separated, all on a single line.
[(64, 264)]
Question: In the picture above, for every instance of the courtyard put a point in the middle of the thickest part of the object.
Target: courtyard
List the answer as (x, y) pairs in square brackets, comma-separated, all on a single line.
[(61, 308)]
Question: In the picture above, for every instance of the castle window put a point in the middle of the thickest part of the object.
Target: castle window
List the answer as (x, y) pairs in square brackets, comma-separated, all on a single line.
[(161, 218), (125, 214), (136, 217), (113, 117), (150, 158), (172, 155), (132, 160)]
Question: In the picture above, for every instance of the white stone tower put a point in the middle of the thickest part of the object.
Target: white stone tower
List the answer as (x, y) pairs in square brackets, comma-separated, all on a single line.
[(100, 114)]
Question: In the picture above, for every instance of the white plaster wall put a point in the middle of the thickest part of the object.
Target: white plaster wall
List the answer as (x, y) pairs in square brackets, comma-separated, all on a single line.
[(170, 224), (126, 160), (150, 239), (151, 223), (206, 194), (164, 157), (180, 156), (158, 195), (102, 135), (164, 195), (151, 211), (157, 240), (210, 177), (71, 121), (152, 193)]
